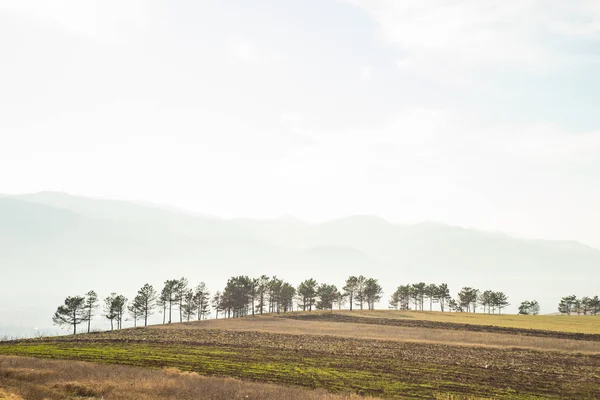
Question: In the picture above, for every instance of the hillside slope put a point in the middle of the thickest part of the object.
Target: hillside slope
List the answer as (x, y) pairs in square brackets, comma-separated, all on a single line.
[(366, 356)]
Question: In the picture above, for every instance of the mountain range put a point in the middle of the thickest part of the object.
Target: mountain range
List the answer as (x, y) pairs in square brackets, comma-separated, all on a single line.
[(55, 244)]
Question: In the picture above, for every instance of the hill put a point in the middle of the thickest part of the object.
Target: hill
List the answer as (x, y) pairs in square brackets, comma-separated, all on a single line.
[(61, 244), (386, 354)]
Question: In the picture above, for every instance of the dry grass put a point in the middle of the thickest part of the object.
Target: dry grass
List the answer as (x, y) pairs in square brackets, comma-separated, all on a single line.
[(389, 354), (389, 369), (8, 396), (559, 323), (273, 324), (37, 379)]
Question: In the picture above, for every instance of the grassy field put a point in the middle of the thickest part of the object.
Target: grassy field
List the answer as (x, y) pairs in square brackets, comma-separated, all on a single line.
[(37, 379), (373, 359), (558, 323)]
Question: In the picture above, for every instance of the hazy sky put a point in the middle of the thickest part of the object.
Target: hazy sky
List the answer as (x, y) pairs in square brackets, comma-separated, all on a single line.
[(476, 113)]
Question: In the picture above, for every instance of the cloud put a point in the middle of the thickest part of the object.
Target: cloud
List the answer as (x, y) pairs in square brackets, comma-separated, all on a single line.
[(96, 19), (462, 35)]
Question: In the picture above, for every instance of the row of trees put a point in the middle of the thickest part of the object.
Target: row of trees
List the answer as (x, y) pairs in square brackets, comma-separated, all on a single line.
[(241, 296), (414, 296), (574, 305), (244, 296)]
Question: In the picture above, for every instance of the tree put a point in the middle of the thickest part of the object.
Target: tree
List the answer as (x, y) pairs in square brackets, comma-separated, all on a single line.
[(577, 306), (71, 313), (341, 300), (307, 291), (360, 291), (587, 305), (529, 308), (275, 291), (566, 304), (201, 298), (91, 304), (188, 305), (485, 299), (431, 294), (327, 296), (454, 306), (442, 295), (474, 297), (499, 301), (394, 302), (145, 302), (181, 290), (109, 311), (287, 296), (419, 294), (401, 298), (168, 296), (163, 302), (350, 289), (236, 296), (262, 289), (372, 292), (120, 303), (134, 311), (216, 303), (467, 298), (253, 292), (595, 305), (114, 308)]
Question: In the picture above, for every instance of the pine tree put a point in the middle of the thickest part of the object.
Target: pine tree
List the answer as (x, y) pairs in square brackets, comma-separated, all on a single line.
[(566, 304), (114, 309), (144, 303), (91, 304), (327, 296), (442, 295), (350, 289), (201, 298), (307, 291), (71, 313), (372, 292)]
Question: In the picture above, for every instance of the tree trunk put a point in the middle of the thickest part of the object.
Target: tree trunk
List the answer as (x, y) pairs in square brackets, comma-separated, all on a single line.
[(89, 318)]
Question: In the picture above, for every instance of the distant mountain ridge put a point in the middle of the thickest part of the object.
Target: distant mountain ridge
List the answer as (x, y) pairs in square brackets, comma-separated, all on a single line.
[(54, 244)]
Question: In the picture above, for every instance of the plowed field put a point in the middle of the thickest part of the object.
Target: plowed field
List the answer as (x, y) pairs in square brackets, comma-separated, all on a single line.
[(389, 369)]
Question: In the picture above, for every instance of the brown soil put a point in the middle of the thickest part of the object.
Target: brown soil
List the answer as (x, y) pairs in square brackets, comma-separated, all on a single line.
[(443, 325)]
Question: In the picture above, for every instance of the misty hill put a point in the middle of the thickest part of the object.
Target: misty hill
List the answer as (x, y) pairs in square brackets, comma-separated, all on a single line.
[(54, 244)]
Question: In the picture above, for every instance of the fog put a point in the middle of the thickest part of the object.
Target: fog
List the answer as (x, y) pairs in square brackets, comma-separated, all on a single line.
[(405, 140)]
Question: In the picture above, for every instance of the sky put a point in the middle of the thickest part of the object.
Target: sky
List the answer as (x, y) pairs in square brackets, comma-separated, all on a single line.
[(476, 113)]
